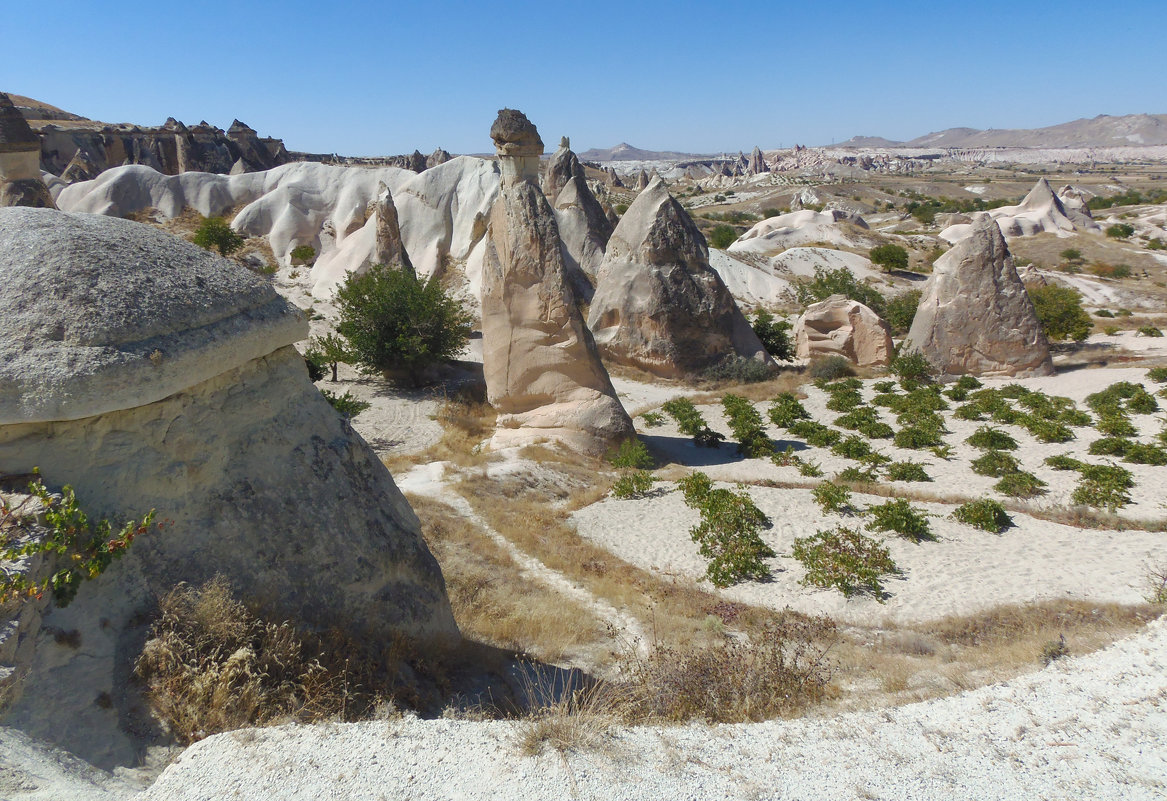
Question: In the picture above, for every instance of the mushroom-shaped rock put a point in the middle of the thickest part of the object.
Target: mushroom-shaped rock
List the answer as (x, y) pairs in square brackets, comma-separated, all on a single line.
[(148, 373), (839, 326), (659, 305), (20, 159), (517, 142), (975, 316), (542, 370)]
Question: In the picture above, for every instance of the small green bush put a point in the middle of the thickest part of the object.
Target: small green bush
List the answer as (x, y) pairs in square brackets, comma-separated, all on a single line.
[(728, 534), (851, 448), (1148, 331), (830, 368), (890, 257), (303, 254), (1020, 485), (1103, 486), (1104, 313), (917, 438), (845, 559), (636, 484), (906, 471), (969, 382), (1109, 446), (901, 517), (1158, 375), (858, 475), (995, 464), (786, 409), (809, 469), (901, 310), (985, 514), (886, 386), (747, 426), (739, 370), (691, 422), (347, 404), (840, 281), (843, 399), (214, 232), (1063, 461), (652, 419), (816, 434), (631, 454), (912, 368), (992, 439), (833, 498), (1139, 453), (1120, 231), (774, 335), (1116, 425)]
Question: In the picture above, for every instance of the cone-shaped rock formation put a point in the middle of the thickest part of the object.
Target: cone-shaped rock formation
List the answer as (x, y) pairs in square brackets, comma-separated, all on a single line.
[(20, 158), (975, 316), (583, 226), (658, 304)]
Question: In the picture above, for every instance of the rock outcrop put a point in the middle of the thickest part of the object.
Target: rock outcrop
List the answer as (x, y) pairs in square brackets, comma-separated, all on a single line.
[(542, 371), (776, 234), (659, 305), (642, 181), (975, 317), (757, 162), (439, 156), (1040, 212), (20, 175), (387, 247), (148, 373), (839, 326), (583, 226)]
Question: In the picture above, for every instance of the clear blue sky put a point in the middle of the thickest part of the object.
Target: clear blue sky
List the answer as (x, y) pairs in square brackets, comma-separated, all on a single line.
[(380, 78)]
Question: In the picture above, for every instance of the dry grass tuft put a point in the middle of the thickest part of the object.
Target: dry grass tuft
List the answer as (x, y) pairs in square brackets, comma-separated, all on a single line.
[(567, 714)]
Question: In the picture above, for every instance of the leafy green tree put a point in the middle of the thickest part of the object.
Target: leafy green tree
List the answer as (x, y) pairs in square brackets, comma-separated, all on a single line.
[(840, 281), (722, 236), (890, 257), (393, 321), (1059, 310), (214, 232), (774, 335), (326, 351), (1120, 231)]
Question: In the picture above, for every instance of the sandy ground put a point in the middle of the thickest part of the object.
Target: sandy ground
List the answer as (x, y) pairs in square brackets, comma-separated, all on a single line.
[(1090, 727)]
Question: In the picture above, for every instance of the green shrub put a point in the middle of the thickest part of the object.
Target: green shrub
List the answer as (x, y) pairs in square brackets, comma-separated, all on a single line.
[(746, 424), (969, 382), (985, 514), (907, 471), (1116, 425), (901, 517), (774, 335), (347, 404), (809, 469), (887, 386), (393, 321), (1020, 485), (890, 257), (992, 439), (846, 560), (303, 254), (728, 534), (1148, 331), (858, 475), (632, 454), (1138, 453), (901, 310), (722, 236), (917, 438), (833, 498), (851, 448), (83, 548), (816, 434), (995, 464), (1120, 231), (956, 393), (636, 484), (214, 232), (691, 422), (1103, 487), (326, 353), (1060, 313), (912, 368), (786, 409), (1104, 313), (652, 419), (830, 368), (1158, 375), (1109, 446), (1063, 461), (739, 370), (1071, 254), (843, 400), (839, 281)]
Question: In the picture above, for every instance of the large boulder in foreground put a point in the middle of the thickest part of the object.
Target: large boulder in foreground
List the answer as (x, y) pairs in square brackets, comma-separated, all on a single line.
[(542, 371), (148, 373), (975, 317), (659, 306), (839, 326)]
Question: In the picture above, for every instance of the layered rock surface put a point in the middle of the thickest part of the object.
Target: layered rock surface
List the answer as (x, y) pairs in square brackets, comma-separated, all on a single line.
[(148, 373), (975, 316), (659, 305), (839, 326), (20, 177), (583, 226), (542, 370)]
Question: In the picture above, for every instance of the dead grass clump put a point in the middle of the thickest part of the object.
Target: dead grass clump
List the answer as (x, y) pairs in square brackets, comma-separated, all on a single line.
[(1044, 621), (467, 420), (493, 601), (780, 670), (212, 666), (572, 713)]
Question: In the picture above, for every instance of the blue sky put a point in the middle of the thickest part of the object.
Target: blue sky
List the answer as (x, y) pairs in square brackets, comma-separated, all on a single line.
[(385, 77)]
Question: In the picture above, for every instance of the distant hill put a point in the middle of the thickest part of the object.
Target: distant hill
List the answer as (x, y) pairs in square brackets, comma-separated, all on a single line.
[(1101, 131), (626, 152)]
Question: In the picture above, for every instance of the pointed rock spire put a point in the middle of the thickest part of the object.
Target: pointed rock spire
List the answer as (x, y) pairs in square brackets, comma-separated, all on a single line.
[(388, 248)]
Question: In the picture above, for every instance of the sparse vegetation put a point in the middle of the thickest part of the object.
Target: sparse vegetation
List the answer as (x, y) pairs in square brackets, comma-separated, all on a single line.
[(833, 498), (1120, 231), (840, 281), (631, 453), (692, 423), (728, 534), (985, 514), (845, 559), (830, 368), (347, 404), (774, 335), (1060, 313), (214, 232), (901, 517), (906, 471), (635, 484)]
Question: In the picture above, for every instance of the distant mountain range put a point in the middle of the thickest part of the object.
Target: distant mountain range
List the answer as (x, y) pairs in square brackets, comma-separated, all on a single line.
[(626, 152), (1101, 131)]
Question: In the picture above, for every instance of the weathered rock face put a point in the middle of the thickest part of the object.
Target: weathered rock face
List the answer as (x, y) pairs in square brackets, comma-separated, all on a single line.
[(148, 373), (658, 304), (839, 326), (542, 371), (757, 162), (975, 316), (388, 249), (20, 177), (642, 181), (583, 226), (439, 156)]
